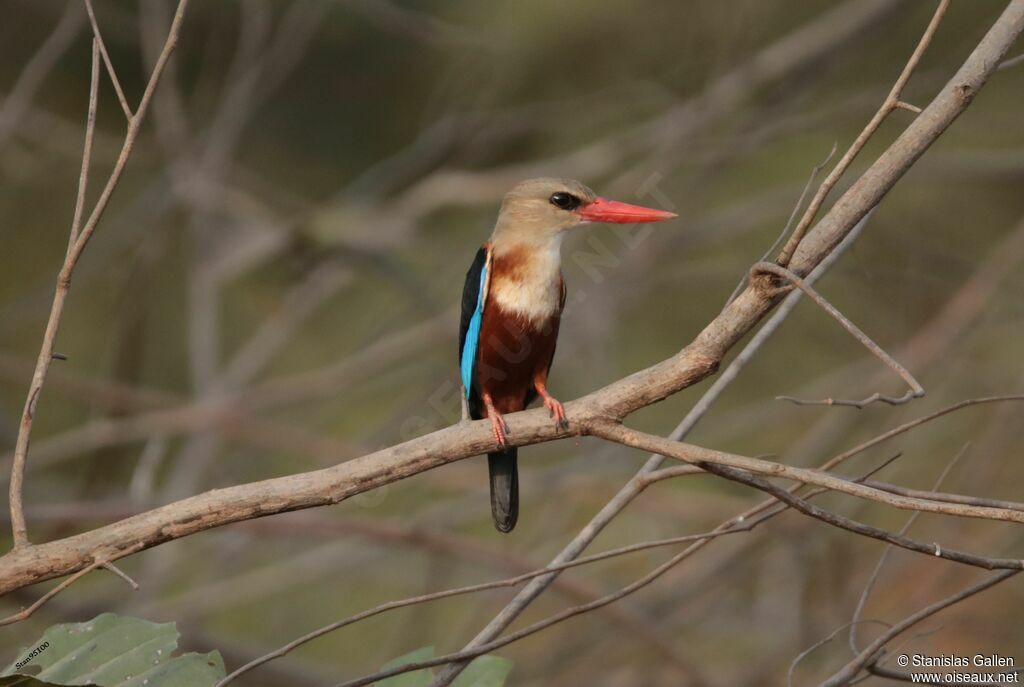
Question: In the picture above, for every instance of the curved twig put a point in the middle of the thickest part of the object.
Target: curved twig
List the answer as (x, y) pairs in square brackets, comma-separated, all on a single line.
[(916, 391)]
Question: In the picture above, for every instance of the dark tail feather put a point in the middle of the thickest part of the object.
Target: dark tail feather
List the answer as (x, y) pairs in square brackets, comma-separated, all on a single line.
[(504, 488)]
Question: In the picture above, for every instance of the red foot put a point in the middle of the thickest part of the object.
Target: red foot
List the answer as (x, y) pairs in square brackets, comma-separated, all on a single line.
[(499, 428), (557, 411), (553, 405)]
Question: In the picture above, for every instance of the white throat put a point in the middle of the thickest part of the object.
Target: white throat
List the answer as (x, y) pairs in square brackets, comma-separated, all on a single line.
[(530, 281)]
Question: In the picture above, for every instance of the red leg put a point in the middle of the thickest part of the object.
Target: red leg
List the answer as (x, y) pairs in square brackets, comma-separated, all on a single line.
[(498, 425), (553, 405)]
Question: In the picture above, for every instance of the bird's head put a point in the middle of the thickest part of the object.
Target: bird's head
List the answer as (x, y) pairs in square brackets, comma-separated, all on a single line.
[(545, 207)]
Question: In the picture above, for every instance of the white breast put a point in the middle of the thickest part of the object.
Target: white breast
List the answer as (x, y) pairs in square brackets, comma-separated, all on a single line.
[(533, 289)]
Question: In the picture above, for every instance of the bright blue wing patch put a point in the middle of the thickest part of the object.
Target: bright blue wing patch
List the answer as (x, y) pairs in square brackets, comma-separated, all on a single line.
[(473, 335)]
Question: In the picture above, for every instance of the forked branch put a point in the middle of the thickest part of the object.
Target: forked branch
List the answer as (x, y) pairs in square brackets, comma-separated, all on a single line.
[(77, 243), (916, 390)]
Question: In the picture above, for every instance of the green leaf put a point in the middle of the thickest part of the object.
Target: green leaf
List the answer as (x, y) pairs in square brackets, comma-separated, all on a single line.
[(416, 678), (111, 651), (486, 671)]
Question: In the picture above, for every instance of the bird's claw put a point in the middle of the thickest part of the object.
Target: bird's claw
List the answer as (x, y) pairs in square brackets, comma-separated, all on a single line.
[(557, 411), (499, 428)]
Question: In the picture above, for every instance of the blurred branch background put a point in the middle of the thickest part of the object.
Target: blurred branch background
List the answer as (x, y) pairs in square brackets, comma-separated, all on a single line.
[(273, 288)]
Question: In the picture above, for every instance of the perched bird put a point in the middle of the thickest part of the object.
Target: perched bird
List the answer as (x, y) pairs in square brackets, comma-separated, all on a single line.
[(511, 308)]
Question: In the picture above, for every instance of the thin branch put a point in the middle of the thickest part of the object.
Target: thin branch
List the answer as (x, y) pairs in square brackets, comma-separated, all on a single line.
[(90, 132), (929, 344), (852, 403), (736, 528), (943, 496), (737, 524), (873, 578), (708, 459), (28, 611), (850, 327), (106, 61), (917, 422), (764, 333), (106, 563), (20, 531), (110, 567), (892, 102), (851, 525), (822, 642), (789, 222), (480, 649), (870, 652), (1012, 62), (1014, 566)]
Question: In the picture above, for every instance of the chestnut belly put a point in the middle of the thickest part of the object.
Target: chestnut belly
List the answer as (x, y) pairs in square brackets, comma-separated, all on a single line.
[(513, 352)]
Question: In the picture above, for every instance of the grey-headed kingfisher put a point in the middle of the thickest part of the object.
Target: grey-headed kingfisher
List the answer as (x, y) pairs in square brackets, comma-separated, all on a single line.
[(511, 308)]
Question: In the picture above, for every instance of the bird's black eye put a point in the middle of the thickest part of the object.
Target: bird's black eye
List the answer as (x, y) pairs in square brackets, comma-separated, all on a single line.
[(565, 201)]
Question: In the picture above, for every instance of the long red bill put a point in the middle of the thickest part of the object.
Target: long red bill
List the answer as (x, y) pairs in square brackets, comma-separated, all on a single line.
[(605, 210)]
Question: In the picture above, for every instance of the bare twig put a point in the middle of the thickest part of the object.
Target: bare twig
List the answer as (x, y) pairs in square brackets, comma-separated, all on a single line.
[(482, 648), (736, 527), (851, 525), (855, 331), (762, 335), (90, 132), (822, 642), (789, 222), (892, 102), (709, 459), (1013, 567), (870, 652), (107, 565), (1012, 62), (853, 403), (99, 562), (929, 344), (873, 578), (106, 61), (20, 531), (943, 496), (28, 611)]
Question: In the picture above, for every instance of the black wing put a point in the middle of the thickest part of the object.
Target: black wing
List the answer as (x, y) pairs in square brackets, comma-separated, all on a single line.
[(470, 296)]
